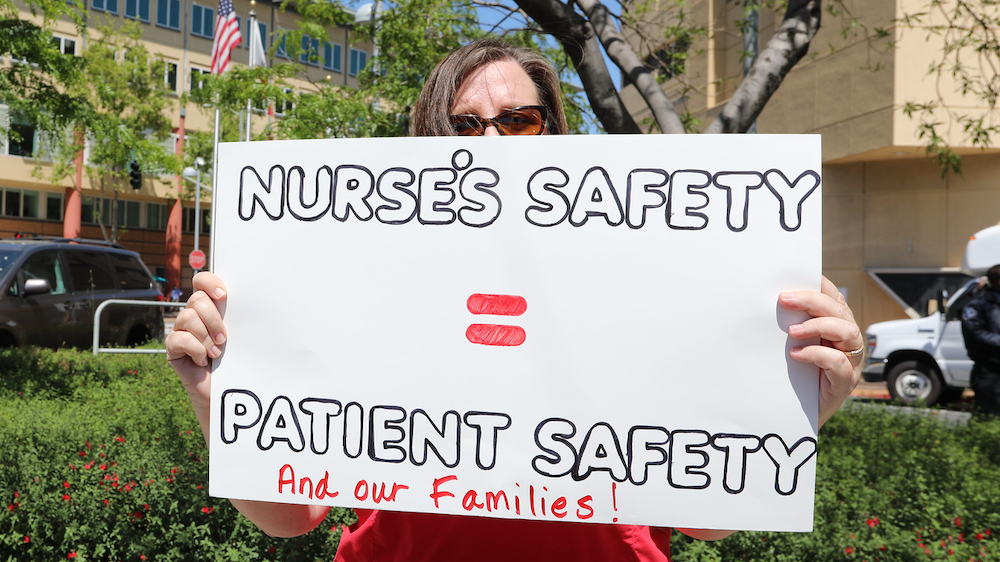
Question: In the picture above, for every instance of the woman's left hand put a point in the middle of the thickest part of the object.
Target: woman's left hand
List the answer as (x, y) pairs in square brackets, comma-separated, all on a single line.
[(833, 322)]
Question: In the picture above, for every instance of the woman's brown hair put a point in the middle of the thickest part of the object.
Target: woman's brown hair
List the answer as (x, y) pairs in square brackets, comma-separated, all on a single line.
[(430, 115)]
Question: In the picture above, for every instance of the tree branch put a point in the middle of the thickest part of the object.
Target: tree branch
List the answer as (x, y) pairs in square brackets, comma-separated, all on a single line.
[(576, 36), (785, 48), (629, 62)]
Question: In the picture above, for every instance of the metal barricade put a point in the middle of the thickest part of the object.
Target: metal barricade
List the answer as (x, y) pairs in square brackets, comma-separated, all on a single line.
[(97, 324)]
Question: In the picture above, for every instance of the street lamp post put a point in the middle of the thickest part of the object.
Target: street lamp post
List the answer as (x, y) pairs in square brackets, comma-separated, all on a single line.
[(196, 172)]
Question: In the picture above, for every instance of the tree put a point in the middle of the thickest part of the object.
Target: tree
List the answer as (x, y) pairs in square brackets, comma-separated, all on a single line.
[(574, 34), (123, 101), (112, 95), (968, 64)]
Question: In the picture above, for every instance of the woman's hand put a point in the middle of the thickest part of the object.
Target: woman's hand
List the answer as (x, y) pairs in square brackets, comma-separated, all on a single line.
[(199, 335), (833, 322)]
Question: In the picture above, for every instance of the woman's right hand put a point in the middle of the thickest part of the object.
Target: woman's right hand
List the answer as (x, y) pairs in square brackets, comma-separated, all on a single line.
[(199, 335)]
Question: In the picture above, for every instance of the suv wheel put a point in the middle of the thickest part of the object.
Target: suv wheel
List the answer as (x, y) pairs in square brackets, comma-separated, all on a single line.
[(137, 336), (7, 340), (914, 381)]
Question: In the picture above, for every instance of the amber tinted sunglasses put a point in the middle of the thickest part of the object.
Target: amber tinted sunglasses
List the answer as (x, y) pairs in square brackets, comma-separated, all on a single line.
[(524, 120)]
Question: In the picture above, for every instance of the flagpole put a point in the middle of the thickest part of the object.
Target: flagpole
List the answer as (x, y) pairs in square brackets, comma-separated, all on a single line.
[(253, 53), (215, 182)]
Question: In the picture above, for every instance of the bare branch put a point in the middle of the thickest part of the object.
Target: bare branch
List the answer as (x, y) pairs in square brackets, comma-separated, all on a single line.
[(576, 36), (630, 63), (785, 48)]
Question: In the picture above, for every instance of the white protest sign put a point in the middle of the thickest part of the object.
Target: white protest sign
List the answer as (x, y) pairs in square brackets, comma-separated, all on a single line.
[(576, 328)]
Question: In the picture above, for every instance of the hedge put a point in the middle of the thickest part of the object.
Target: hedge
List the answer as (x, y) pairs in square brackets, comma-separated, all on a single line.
[(103, 461)]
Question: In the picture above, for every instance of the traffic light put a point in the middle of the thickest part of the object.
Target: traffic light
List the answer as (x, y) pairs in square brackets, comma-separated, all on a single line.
[(135, 175)]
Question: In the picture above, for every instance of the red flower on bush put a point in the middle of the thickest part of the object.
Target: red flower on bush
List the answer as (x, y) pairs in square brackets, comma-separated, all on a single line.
[(849, 550), (27, 539), (207, 510), (65, 484), (872, 521), (980, 536), (119, 439), (958, 521), (65, 497), (71, 555)]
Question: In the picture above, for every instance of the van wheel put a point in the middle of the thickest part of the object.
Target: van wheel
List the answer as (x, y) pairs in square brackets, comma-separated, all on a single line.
[(915, 381)]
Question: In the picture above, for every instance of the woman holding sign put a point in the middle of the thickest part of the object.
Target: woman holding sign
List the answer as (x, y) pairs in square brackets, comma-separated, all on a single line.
[(490, 88)]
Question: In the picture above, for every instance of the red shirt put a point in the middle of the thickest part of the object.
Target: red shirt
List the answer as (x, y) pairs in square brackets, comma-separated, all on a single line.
[(389, 536)]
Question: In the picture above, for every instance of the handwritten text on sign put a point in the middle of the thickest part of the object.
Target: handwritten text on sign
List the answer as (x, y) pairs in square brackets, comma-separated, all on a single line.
[(559, 328)]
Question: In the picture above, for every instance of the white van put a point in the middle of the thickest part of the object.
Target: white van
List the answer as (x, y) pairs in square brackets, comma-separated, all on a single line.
[(924, 359)]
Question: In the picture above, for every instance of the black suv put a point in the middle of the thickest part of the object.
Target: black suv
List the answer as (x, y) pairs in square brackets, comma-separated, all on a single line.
[(50, 289)]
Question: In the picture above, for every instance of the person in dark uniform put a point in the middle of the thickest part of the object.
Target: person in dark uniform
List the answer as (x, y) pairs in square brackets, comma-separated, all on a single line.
[(981, 330)]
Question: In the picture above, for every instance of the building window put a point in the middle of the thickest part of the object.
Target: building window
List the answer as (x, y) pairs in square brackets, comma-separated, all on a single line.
[(129, 214), (29, 204), (262, 27), (202, 21), (137, 10), (22, 137), (20, 203), (88, 210), (109, 6), (170, 76), (332, 56), (53, 206), (358, 61), (156, 216), (11, 202), (281, 51), (168, 14), (65, 45), (310, 51), (285, 104), (197, 78), (188, 225)]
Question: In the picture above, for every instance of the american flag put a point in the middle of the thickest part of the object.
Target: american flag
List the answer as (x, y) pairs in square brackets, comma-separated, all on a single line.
[(227, 37)]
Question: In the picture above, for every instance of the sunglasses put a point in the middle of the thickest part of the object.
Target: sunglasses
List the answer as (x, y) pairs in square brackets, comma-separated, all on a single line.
[(524, 120)]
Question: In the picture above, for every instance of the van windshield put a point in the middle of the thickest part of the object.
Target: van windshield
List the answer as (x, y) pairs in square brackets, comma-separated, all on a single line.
[(7, 259)]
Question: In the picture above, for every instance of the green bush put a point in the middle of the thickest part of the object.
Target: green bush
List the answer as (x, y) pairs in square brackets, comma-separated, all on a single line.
[(103, 460), (891, 487)]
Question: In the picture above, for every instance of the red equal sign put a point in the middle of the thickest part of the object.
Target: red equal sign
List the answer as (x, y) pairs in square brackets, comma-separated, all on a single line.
[(496, 334)]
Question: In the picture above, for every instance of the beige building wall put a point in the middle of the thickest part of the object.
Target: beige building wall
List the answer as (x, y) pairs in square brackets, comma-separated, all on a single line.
[(886, 204), (188, 52)]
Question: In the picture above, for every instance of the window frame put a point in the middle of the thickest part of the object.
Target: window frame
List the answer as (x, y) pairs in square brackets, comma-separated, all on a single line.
[(107, 6), (136, 13), (354, 68), (332, 48), (168, 14), (201, 10)]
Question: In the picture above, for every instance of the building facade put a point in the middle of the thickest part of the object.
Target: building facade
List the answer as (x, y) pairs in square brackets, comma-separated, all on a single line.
[(157, 220), (894, 229)]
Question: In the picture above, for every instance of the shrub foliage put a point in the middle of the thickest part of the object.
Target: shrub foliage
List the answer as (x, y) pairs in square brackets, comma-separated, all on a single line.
[(103, 460), (891, 487)]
